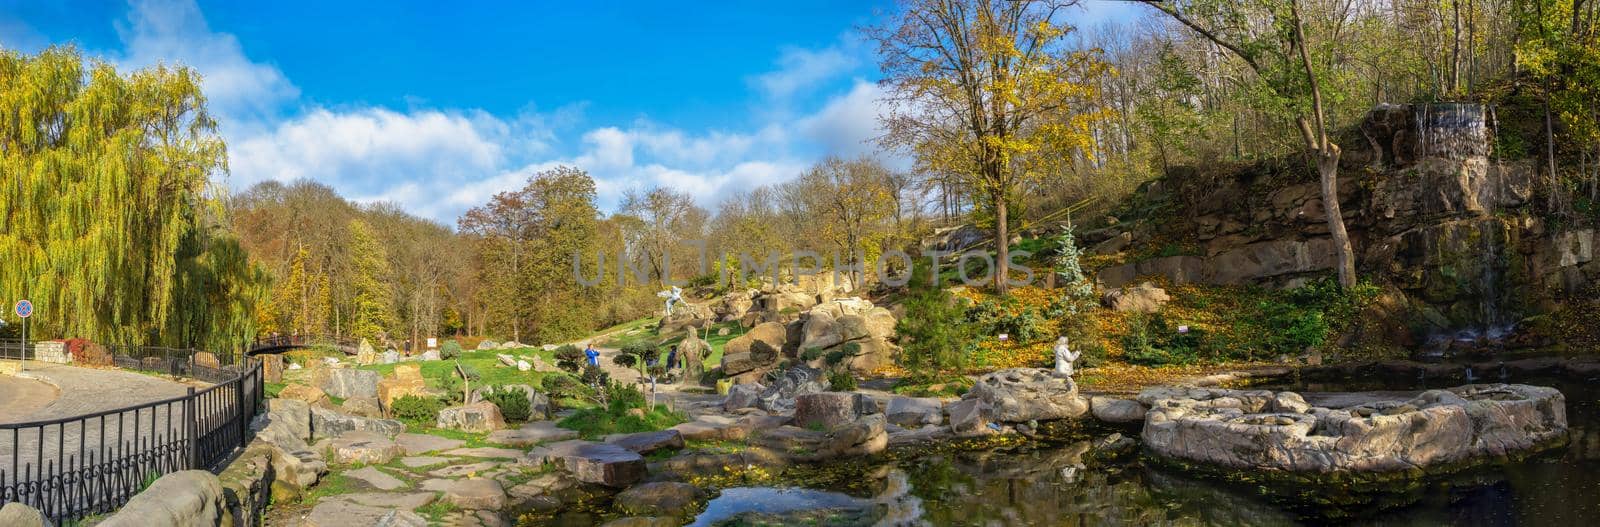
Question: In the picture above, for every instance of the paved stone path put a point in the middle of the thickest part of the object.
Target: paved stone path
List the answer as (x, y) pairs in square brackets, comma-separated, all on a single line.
[(22, 397), (85, 391)]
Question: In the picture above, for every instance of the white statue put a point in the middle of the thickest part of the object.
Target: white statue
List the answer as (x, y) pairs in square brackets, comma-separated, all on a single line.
[(673, 297), (1064, 358)]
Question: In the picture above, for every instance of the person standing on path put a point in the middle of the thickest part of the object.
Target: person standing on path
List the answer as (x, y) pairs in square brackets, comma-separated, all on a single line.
[(592, 354)]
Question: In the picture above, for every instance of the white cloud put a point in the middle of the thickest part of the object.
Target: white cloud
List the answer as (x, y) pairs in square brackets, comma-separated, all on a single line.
[(848, 125), (174, 31), (800, 69)]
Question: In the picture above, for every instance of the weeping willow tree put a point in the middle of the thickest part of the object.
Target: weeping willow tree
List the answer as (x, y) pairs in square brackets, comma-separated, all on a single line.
[(108, 219)]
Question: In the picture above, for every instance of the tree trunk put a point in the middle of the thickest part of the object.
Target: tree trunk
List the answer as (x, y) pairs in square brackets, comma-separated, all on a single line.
[(1328, 173), (1002, 243)]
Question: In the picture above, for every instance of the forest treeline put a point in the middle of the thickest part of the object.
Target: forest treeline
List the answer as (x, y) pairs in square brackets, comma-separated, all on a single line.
[(113, 223)]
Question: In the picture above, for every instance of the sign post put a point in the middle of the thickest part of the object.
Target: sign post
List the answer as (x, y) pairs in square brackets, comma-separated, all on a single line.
[(24, 310)]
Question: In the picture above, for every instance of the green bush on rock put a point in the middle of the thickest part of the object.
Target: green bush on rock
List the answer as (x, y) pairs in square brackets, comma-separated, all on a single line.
[(416, 409), (513, 402)]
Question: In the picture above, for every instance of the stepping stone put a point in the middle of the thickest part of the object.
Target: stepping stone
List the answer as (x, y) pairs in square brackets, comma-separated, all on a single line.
[(532, 433), (362, 447), (377, 478), (422, 461), (476, 493), (388, 500), (435, 485), (647, 442), (423, 443), (591, 462), (507, 453), (339, 513), (457, 471)]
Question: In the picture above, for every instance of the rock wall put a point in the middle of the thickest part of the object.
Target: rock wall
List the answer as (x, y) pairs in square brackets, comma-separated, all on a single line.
[(1433, 214)]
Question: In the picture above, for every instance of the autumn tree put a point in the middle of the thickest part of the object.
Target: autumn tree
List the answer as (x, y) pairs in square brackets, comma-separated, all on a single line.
[(666, 233), (849, 206), (1270, 37), (372, 302), (990, 91)]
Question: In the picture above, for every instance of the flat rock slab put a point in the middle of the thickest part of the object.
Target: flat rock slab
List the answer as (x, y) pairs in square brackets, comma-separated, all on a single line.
[(389, 500), (363, 447), (486, 452), (475, 493), (423, 443), (456, 471), (338, 513), (377, 478), (422, 461), (591, 462), (532, 434), (647, 442)]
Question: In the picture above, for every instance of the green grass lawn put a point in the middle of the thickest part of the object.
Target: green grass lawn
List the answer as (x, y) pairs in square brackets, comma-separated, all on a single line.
[(487, 364), (643, 331)]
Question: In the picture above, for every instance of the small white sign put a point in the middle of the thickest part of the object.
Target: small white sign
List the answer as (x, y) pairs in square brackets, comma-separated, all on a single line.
[(1004, 336), (433, 342), (1183, 329)]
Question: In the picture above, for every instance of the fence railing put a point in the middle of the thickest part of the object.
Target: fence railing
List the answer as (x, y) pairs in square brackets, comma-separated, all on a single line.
[(79, 466)]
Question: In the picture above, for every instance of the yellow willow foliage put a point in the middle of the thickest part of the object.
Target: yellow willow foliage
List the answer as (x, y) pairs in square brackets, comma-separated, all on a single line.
[(107, 218)]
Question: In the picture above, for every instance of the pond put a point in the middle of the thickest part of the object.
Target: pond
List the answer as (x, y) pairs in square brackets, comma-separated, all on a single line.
[(1078, 480)]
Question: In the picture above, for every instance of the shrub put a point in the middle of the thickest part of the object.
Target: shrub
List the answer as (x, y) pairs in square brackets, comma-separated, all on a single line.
[(811, 354), (469, 372), (993, 318), (837, 357), (842, 381), (1069, 274), (563, 387), (451, 385), (450, 350), (416, 409), (513, 402), (569, 358), (1151, 342)]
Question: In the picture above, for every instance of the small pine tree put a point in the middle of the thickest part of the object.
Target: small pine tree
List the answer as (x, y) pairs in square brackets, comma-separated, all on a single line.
[(1069, 271)]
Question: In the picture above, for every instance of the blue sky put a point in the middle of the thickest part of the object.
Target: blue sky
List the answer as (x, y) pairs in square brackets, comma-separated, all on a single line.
[(437, 109)]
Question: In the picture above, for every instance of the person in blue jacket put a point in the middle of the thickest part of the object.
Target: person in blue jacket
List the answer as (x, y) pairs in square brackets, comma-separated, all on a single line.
[(593, 355)]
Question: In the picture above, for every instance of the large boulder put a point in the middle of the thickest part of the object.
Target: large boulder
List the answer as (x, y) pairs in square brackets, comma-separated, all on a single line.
[(591, 462), (272, 368), (327, 423), (346, 383), (829, 410), (661, 498), (1020, 395), (1262, 430), (734, 305), (366, 354), (969, 417), (407, 380), (183, 498), (1144, 298), (820, 331), (307, 394), (757, 349), (914, 412), (16, 514), (879, 322), (362, 407), (475, 494), (476, 417), (864, 436), (1116, 410), (741, 396), (869, 355)]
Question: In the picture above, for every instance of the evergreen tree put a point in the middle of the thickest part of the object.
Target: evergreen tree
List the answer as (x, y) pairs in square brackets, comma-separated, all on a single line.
[(372, 303)]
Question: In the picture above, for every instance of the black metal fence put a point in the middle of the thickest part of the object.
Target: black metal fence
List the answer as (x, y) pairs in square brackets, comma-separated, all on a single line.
[(79, 466)]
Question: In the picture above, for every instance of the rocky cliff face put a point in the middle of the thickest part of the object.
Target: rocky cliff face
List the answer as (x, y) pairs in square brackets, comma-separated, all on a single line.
[(1454, 234)]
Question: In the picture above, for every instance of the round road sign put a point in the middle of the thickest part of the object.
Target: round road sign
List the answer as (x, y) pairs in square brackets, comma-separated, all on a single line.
[(24, 308)]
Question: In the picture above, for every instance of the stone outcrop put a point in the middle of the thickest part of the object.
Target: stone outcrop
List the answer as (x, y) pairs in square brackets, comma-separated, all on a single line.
[(1144, 298), (406, 380), (1115, 410), (18, 515), (308, 394), (1277, 431), (346, 383), (476, 417), (914, 412), (1020, 395), (361, 447), (779, 398), (829, 410), (864, 436), (647, 442), (759, 348), (327, 423)]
